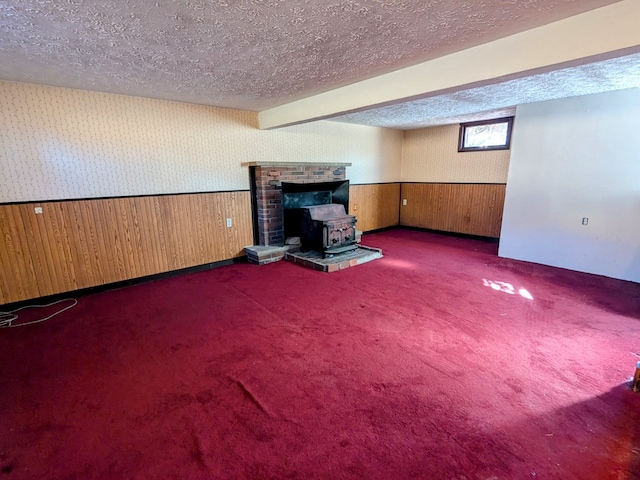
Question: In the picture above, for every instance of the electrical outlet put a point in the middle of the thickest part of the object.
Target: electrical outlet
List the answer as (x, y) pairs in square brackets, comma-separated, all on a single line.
[(404, 201), (355, 207), (229, 223), (585, 220), (38, 210)]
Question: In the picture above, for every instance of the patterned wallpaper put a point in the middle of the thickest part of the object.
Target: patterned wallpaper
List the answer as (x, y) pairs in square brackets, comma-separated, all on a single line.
[(59, 143), (431, 155)]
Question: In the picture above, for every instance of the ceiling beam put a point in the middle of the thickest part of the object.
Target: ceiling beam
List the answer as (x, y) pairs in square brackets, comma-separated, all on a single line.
[(601, 33)]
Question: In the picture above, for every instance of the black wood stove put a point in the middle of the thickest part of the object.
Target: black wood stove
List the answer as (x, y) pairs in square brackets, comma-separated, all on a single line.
[(317, 213), (327, 229)]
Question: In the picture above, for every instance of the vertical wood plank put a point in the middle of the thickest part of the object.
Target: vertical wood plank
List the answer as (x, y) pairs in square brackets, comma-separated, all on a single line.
[(40, 252), (239, 235), (158, 231), (151, 236), (185, 220), (18, 280), (54, 275), (100, 216), (117, 248), (79, 241), (218, 225), (89, 218), (211, 240), (197, 206), (57, 238), (139, 259), (172, 239)]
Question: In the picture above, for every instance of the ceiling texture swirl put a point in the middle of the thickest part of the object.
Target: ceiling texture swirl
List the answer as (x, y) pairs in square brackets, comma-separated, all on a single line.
[(260, 54)]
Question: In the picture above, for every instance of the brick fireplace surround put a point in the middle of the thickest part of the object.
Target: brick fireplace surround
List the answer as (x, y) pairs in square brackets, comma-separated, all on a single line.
[(266, 180)]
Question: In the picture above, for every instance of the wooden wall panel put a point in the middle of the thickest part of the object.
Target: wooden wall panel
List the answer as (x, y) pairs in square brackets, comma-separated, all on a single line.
[(474, 209), (85, 243), (52, 246), (17, 270), (237, 205), (375, 205)]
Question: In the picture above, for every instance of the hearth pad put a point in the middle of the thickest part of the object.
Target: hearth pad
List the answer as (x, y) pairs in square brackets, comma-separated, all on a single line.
[(313, 259)]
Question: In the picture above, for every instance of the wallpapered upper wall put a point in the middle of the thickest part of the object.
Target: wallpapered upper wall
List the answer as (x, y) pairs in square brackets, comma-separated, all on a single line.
[(58, 143), (431, 155)]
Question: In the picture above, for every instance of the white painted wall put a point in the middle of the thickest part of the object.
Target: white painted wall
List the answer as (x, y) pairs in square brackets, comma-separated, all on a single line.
[(574, 158)]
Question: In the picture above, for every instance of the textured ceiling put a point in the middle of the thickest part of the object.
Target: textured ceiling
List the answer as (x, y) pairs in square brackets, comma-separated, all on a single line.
[(251, 54), (499, 99)]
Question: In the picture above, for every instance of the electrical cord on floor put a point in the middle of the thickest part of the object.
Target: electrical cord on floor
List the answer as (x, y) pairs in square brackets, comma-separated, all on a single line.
[(7, 318)]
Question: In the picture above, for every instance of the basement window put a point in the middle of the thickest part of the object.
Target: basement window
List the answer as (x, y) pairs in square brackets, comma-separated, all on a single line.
[(485, 135)]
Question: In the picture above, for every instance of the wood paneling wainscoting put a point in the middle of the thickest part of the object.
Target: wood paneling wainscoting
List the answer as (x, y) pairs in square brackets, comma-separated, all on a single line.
[(375, 205), (471, 208), (78, 244)]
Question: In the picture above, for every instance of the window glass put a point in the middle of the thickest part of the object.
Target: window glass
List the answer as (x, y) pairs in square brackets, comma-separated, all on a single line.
[(485, 135)]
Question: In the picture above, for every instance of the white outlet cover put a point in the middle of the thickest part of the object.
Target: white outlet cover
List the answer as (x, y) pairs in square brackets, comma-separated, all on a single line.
[(229, 223), (38, 210)]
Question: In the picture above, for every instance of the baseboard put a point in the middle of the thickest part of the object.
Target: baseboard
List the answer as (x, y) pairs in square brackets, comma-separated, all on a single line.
[(379, 230), (451, 234), (124, 283)]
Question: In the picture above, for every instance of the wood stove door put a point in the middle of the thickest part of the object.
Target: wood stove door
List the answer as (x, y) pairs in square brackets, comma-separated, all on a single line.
[(338, 234), (349, 233)]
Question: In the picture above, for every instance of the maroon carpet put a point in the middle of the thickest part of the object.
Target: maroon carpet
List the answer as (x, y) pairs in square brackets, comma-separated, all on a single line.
[(432, 362)]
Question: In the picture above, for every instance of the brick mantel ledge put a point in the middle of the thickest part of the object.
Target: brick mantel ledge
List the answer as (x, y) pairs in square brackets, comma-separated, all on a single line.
[(295, 164)]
